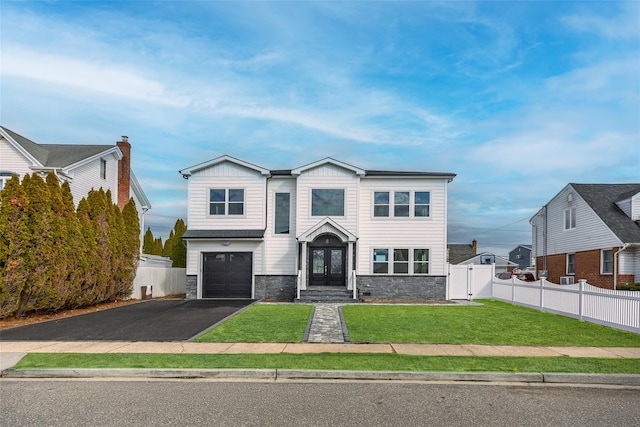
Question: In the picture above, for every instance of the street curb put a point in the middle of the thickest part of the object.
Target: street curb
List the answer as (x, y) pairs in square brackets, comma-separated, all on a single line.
[(293, 374), (618, 379), (141, 373)]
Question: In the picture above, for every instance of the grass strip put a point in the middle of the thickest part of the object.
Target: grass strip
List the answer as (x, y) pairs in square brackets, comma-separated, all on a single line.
[(262, 323), (326, 361), (494, 322)]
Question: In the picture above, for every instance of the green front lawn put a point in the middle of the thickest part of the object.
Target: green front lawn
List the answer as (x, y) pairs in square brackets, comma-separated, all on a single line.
[(355, 362), (494, 322), (262, 323)]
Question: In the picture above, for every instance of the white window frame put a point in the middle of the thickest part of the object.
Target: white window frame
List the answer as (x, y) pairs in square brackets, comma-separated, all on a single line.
[(4, 177), (569, 219), (602, 262), (227, 202), (103, 169), (275, 214), (571, 273), (391, 261), (392, 205)]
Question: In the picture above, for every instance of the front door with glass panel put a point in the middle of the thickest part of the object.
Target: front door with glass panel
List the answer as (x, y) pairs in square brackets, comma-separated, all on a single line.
[(327, 266)]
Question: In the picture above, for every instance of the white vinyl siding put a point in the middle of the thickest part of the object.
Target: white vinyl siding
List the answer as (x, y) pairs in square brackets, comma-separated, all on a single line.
[(281, 250), (12, 161), (327, 177), (590, 232), (87, 177), (239, 177), (420, 232)]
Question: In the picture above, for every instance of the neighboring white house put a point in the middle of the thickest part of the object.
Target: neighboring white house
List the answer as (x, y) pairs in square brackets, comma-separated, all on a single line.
[(85, 167), (260, 233), (589, 231), (487, 258)]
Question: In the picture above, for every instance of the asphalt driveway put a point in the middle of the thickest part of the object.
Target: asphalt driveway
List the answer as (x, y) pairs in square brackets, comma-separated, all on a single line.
[(153, 320)]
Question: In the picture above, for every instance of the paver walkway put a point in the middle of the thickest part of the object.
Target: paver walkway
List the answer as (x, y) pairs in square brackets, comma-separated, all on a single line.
[(326, 325)]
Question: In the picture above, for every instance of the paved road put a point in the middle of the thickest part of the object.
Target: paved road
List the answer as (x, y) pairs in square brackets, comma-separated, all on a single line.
[(197, 402), (154, 320)]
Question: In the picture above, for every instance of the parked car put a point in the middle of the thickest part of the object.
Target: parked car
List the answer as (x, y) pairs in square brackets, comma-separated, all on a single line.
[(520, 275)]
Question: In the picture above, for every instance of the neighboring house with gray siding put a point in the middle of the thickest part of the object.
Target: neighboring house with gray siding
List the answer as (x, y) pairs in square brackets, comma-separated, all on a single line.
[(521, 255), (592, 232), (273, 234), (85, 167)]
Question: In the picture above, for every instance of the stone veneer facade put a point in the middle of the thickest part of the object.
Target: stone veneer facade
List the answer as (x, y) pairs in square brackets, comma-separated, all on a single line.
[(275, 287), (402, 288)]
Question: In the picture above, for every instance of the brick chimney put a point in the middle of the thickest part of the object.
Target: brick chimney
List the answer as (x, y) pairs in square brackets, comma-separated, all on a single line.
[(124, 172), (474, 244)]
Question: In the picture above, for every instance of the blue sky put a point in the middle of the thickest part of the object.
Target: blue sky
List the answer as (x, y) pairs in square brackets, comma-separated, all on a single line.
[(517, 98)]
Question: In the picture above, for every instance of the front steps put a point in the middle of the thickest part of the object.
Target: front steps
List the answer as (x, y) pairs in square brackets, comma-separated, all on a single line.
[(326, 294)]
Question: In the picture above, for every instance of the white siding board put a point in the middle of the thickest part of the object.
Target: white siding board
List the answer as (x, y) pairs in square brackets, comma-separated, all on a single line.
[(198, 203), (307, 182), (399, 233), (12, 161), (590, 232), (87, 178), (281, 249)]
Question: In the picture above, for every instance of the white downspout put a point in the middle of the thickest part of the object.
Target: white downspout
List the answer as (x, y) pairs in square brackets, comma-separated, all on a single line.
[(615, 266)]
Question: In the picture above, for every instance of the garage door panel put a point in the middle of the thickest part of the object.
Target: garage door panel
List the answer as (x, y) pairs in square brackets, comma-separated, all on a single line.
[(227, 275)]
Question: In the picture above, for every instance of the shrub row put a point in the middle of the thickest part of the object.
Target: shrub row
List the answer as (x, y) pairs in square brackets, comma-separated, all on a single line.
[(54, 256)]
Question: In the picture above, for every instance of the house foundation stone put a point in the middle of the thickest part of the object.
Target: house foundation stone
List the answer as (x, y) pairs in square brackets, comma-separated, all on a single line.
[(402, 288), (275, 287), (192, 287)]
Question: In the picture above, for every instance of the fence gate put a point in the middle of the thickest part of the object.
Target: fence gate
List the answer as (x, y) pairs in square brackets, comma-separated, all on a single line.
[(469, 281)]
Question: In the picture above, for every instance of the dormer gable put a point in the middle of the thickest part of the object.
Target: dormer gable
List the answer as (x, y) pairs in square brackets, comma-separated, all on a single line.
[(630, 205), (328, 162), (220, 161)]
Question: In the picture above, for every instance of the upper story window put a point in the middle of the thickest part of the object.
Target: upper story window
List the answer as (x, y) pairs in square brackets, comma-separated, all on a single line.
[(327, 202), (283, 212), (607, 261), (223, 201), (103, 169), (570, 218), (381, 203), (406, 204)]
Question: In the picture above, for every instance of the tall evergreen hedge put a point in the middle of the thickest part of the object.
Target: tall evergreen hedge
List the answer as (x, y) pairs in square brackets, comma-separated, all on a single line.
[(53, 256)]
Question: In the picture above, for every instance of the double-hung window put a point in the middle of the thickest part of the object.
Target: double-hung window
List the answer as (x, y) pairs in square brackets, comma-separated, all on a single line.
[(327, 202), (380, 261), (570, 218), (607, 261), (283, 212), (381, 203), (401, 204), (571, 263), (223, 201), (405, 261)]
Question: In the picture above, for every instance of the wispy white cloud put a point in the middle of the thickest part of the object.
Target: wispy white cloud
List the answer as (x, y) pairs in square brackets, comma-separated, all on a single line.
[(622, 24)]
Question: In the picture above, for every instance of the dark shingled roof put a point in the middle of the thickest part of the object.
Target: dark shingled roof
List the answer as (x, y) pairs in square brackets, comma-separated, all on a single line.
[(460, 252), (602, 198), (223, 234), (57, 155)]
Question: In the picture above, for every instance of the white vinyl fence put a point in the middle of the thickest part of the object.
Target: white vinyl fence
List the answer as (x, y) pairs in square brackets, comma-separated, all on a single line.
[(164, 281), (617, 309), (468, 281)]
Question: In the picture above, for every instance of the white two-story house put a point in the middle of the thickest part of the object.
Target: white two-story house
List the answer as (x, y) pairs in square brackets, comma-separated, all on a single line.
[(278, 234), (84, 167)]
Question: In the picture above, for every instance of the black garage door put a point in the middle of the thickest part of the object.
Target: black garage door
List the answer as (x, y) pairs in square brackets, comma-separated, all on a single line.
[(227, 275)]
